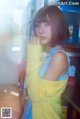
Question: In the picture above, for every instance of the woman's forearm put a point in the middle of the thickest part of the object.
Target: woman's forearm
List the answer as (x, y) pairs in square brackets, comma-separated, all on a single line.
[(33, 58)]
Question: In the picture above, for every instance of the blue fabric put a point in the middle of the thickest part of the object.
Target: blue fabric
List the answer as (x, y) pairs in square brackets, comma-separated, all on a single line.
[(28, 109)]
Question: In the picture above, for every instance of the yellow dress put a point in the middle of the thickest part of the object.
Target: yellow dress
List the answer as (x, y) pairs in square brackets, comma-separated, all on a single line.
[(45, 95)]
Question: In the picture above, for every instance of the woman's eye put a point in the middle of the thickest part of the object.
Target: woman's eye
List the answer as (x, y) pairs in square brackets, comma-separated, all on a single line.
[(46, 24), (37, 25)]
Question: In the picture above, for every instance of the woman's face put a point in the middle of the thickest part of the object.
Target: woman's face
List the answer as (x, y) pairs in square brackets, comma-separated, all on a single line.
[(43, 32)]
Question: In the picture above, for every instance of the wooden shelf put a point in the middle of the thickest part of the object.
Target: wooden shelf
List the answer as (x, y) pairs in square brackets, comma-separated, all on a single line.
[(72, 47)]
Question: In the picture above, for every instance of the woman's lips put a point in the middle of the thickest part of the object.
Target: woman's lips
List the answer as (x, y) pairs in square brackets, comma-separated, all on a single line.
[(42, 38)]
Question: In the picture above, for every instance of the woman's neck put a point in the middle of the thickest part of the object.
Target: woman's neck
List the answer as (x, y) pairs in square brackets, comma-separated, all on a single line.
[(48, 48)]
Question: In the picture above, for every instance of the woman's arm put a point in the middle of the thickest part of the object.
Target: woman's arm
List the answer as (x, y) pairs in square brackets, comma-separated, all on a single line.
[(58, 66), (37, 87)]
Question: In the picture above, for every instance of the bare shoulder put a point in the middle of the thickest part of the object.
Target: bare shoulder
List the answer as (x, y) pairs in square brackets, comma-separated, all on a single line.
[(60, 62), (60, 56), (58, 66)]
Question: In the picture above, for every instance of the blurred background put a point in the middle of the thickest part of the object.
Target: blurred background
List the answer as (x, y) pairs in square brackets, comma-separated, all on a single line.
[(15, 30), (12, 17)]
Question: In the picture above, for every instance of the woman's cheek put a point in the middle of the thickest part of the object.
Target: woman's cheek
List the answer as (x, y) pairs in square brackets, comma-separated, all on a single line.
[(37, 31)]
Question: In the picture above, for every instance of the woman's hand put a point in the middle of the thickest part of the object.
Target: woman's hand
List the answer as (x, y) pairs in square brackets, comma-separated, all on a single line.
[(34, 40)]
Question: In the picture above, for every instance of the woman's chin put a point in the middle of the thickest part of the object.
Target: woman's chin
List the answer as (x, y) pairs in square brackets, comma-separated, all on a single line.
[(45, 43)]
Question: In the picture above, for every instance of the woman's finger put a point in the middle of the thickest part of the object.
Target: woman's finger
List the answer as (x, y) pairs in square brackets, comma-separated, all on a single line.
[(38, 41), (34, 40)]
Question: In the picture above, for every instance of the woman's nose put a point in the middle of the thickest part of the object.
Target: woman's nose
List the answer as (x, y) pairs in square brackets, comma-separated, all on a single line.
[(41, 29)]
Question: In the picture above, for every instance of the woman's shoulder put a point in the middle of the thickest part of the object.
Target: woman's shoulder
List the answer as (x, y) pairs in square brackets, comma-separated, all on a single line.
[(60, 53), (58, 66), (59, 57)]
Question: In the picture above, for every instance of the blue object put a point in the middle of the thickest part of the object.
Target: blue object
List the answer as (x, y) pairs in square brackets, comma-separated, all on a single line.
[(69, 40), (28, 111), (70, 8), (79, 40)]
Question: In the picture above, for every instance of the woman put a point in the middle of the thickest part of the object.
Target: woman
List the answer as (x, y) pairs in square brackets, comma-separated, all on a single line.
[(47, 76)]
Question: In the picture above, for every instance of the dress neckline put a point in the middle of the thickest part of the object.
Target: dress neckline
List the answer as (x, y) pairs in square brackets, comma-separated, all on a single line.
[(52, 50)]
